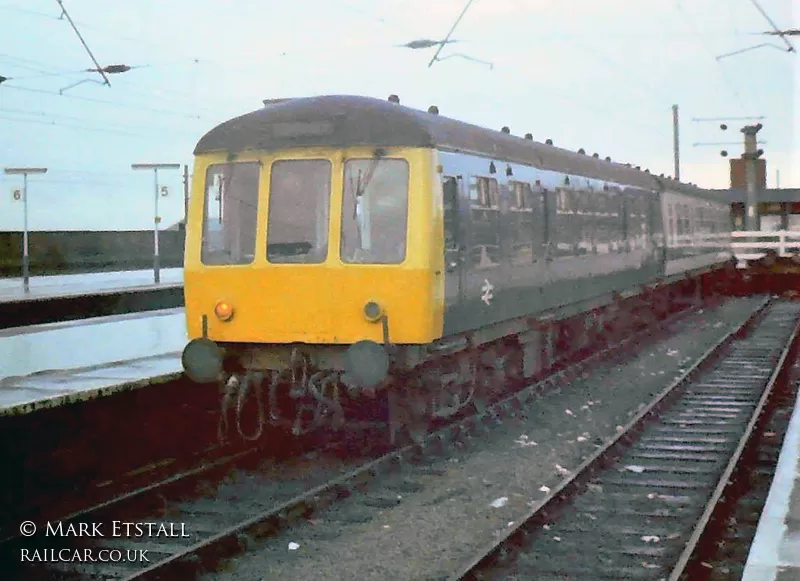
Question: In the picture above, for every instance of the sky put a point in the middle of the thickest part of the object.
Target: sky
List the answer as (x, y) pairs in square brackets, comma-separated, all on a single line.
[(595, 74)]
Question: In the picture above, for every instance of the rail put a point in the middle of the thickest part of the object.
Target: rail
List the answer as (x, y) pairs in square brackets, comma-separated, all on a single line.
[(231, 530), (654, 488)]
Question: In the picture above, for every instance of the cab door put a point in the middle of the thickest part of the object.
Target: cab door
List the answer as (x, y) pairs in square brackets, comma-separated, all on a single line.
[(454, 241)]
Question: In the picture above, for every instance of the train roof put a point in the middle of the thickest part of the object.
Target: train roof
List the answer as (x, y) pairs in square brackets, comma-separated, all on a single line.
[(346, 121)]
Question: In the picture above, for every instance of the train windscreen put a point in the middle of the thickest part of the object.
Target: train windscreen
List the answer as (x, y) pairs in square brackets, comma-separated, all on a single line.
[(299, 211), (374, 211), (230, 214)]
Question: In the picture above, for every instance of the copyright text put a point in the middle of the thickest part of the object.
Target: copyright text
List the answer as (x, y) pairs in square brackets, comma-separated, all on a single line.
[(113, 529)]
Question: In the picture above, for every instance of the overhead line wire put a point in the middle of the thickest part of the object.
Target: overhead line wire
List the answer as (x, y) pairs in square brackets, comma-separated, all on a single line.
[(96, 28), (45, 117), (548, 89), (789, 45), (83, 42), (105, 102), (449, 34), (181, 96), (718, 66), (104, 130)]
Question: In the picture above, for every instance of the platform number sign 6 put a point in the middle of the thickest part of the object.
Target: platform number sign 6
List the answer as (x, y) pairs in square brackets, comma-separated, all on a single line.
[(16, 195)]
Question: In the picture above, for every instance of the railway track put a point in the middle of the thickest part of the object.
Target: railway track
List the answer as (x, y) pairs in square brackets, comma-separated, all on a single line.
[(725, 549), (256, 502), (191, 505), (639, 507)]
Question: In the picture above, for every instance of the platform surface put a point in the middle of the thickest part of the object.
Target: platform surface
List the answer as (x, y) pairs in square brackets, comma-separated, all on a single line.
[(775, 552), (46, 365), (93, 283)]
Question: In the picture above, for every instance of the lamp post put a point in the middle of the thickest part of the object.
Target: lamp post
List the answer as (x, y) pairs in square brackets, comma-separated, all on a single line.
[(24, 171), (156, 219)]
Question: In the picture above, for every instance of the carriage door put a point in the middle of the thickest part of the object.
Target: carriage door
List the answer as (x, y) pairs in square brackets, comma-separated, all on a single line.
[(454, 241), (654, 219)]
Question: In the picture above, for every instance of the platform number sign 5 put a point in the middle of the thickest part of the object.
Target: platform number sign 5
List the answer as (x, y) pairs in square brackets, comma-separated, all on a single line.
[(164, 191), (16, 195)]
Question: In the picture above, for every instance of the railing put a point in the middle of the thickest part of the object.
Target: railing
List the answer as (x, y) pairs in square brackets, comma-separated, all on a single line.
[(754, 244)]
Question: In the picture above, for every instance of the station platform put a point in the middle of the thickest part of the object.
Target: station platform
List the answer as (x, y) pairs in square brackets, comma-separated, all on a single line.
[(49, 365), (775, 551), (93, 283), (68, 297)]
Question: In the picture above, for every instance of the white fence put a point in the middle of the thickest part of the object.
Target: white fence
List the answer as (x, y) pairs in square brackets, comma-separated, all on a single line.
[(753, 245)]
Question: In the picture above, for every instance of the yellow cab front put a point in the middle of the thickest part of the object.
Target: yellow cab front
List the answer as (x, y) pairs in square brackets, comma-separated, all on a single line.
[(289, 247)]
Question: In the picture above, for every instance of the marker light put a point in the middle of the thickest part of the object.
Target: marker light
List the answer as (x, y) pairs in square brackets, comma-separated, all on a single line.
[(372, 311), (223, 310)]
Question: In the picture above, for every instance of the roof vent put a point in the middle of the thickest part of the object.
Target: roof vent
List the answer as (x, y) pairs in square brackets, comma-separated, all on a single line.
[(638, 168), (647, 171), (608, 158), (529, 136), (582, 151), (394, 99), (433, 110), (596, 155), (549, 142), (506, 130)]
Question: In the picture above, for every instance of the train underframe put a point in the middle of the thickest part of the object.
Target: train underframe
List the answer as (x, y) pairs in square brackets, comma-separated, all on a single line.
[(304, 389)]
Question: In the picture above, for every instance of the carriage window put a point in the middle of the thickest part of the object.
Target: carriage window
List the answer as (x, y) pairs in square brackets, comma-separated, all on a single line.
[(299, 206), (685, 219), (230, 215), (522, 197), (484, 193), (525, 220), (485, 249), (375, 211), (450, 195)]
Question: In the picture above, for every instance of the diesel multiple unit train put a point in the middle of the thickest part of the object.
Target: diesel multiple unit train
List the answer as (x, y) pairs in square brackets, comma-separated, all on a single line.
[(344, 250)]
